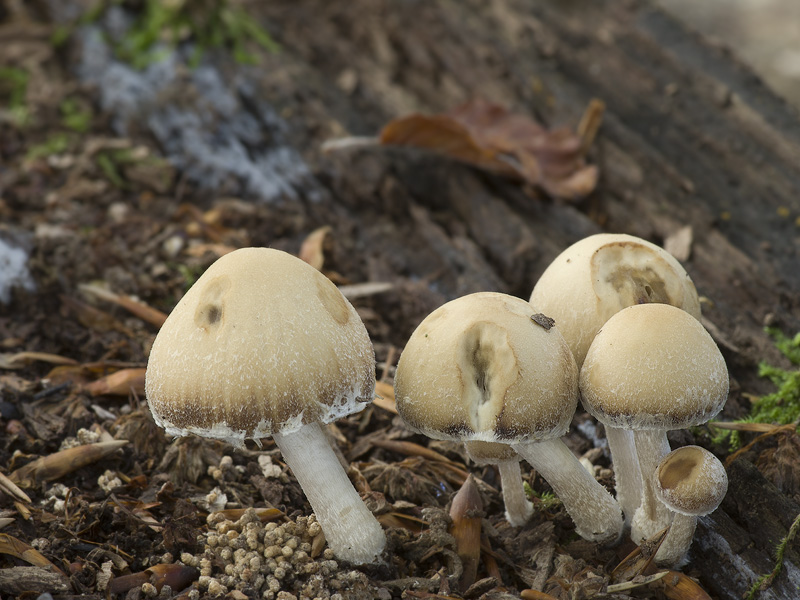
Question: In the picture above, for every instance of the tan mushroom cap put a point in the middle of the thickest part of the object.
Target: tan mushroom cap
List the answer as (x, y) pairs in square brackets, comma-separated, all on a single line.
[(600, 275), (262, 342), (482, 368), (653, 366), (691, 481)]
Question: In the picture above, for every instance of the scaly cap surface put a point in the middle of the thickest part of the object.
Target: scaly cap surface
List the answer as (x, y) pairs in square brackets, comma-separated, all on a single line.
[(262, 342), (653, 366), (482, 367)]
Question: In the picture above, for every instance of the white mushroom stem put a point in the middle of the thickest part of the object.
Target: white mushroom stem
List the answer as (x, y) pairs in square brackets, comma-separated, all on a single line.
[(626, 470), (350, 528), (674, 547), (518, 508), (594, 511), (651, 516)]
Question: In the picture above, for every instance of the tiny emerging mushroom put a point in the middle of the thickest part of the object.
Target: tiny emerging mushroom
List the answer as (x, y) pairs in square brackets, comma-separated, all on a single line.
[(653, 368), (486, 367), (589, 282), (691, 482), (264, 344)]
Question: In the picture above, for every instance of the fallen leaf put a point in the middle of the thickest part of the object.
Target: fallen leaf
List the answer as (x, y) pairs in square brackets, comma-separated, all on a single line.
[(119, 383), (175, 575), (19, 549), (384, 397), (490, 137), (639, 559), (136, 307), (411, 449), (312, 250), (55, 466), (679, 243), (20, 359), (678, 586), (466, 512)]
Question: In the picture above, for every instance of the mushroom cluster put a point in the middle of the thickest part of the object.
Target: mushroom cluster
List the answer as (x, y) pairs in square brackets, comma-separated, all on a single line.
[(477, 371), (264, 344), (488, 368), (631, 315)]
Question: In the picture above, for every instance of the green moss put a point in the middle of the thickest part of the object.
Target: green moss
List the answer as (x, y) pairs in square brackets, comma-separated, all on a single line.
[(763, 582), (13, 87), (57, 143), (546, 500), (208, 24), (782, 406), (74, 116)]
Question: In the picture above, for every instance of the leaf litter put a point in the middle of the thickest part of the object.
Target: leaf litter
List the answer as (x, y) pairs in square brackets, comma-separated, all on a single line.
[(96, 501)]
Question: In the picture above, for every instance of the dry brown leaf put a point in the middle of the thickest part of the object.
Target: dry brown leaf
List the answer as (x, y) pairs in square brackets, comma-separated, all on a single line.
[(490, 137), (384, 397), (119, 383), (135, 307), (312, 250), (19, 549), (94, 318), (679, 243), (18, 360), (678, 586), (11, 488), (177, 576), (411, 449), (637, 562), (264, 514), (466, 512), (55, 466)]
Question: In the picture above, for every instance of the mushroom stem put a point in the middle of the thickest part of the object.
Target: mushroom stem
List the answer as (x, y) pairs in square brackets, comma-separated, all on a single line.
[(350, 528), (679, 537), (518, 508), (651, 516), (594, 511), (626, 470)]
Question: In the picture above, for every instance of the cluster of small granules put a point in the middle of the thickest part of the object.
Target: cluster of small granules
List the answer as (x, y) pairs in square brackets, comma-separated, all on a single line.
[(273, 561)]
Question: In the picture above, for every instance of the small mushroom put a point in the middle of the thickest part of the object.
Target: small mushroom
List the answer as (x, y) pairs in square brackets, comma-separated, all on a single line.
[(518, 508), (650, 369), (481, 368), (589, 282), (264, 344), (691, 482)]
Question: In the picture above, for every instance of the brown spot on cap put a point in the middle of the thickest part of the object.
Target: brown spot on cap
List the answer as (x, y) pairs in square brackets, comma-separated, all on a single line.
[(210, 308)]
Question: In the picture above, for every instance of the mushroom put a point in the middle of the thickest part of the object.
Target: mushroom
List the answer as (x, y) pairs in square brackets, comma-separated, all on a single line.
[(600, 275), (650, 369), (264, 344), (518, 508), (589, 282), (691, 482), (487, 367)]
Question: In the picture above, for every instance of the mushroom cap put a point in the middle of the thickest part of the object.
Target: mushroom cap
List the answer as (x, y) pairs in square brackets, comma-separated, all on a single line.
[(261, 343), (653, 366), (600, 275), (691, 481), (482, 367)]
